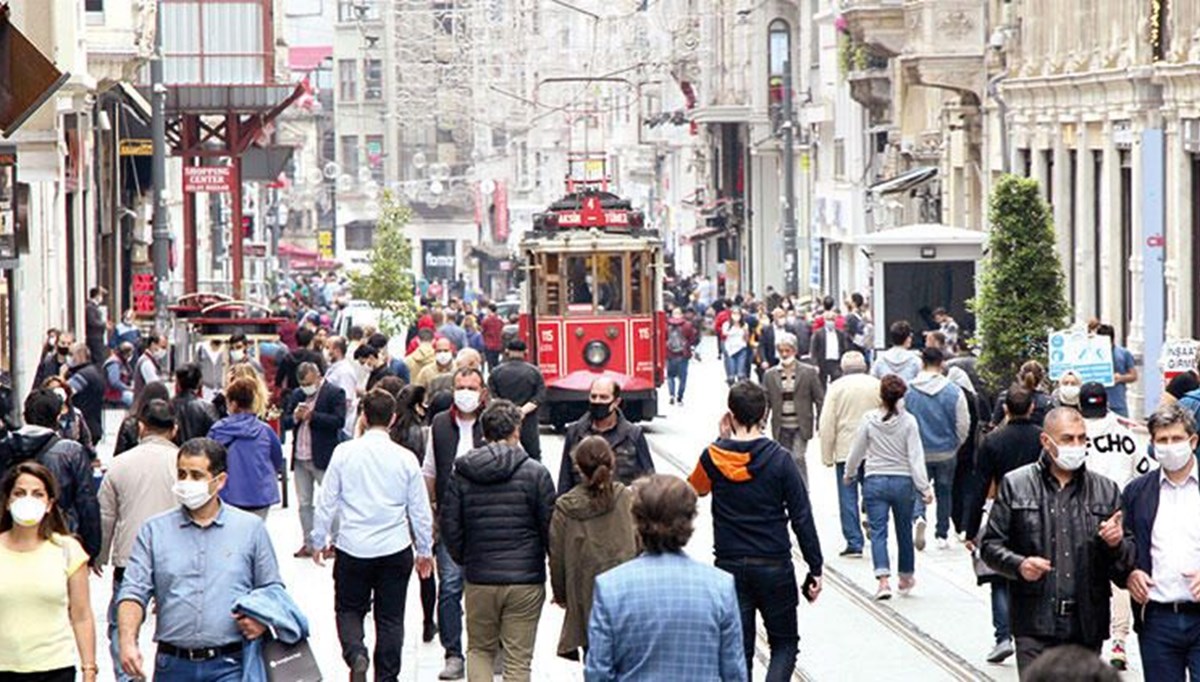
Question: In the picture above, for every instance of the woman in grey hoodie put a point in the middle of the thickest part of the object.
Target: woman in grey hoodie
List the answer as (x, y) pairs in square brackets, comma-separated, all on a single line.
[(888, 446)]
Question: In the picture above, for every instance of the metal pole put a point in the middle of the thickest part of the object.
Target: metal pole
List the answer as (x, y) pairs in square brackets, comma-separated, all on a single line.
[(791, 267), (161, 233)]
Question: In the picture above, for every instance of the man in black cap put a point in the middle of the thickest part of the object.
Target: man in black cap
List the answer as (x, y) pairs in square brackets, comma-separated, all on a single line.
[(521, 383)]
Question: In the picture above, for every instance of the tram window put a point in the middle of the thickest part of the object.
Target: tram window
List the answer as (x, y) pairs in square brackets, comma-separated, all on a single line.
[(610, 283), (639, 283), (551, 288), (579, 281)]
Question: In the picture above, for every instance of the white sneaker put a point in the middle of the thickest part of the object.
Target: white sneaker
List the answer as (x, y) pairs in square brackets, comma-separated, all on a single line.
[(943, 543), (919, 535)]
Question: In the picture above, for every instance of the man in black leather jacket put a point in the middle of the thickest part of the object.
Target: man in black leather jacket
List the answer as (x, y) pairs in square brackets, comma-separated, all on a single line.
[(194, 416), (495, 522), (1056, 533)]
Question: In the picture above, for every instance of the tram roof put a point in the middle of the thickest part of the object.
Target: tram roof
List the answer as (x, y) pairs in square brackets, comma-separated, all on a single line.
[(582, 241)]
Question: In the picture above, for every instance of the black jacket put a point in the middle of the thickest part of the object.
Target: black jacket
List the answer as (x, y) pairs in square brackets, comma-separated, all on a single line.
[(1042, 404), (128, 435), (627, 441), (285, 373), (48, 367), (521, 382), (495, 519), (1139, 501), (1006, 449), (444, 433), (1021, 525), (194, 416), (88, 398), (72, 469), (325, 425), (816, 346)]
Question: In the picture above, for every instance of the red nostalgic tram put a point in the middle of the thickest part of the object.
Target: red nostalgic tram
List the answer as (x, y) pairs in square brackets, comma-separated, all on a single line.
[(592, 300)]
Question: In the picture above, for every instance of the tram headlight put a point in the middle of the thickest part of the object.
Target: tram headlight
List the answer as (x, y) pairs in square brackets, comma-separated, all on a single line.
[(596, 353)]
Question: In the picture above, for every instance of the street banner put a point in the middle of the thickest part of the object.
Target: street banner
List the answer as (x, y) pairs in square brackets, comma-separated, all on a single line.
[(1089, 356), (1178, 356)]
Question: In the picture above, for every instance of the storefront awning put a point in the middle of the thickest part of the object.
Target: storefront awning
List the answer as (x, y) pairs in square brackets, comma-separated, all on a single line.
[(701, 234), (905, 181)]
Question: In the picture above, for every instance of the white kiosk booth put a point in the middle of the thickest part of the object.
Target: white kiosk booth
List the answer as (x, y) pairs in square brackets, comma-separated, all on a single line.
[(919, 268)]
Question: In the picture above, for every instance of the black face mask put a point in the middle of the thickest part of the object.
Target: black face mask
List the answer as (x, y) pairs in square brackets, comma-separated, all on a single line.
[(63, 350), (599, 411)]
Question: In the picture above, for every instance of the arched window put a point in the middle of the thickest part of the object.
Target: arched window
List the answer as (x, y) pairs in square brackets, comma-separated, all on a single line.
[(779, 51)]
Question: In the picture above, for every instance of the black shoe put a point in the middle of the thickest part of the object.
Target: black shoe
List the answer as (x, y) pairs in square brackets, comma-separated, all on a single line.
[(851, 553), (429, 632), (358, 668)]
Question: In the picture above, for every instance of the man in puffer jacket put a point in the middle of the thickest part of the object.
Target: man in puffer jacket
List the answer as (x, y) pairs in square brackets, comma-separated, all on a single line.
[(495, 522), (944, 420), (898, 359)]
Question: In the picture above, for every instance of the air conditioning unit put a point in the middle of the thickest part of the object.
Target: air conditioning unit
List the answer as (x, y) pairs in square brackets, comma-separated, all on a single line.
[(373, 93)]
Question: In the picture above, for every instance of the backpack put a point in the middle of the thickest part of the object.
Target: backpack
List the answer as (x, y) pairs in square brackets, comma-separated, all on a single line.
[(676, 343)]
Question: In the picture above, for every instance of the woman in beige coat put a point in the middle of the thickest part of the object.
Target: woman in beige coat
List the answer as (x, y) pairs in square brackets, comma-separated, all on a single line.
[(592, 530)]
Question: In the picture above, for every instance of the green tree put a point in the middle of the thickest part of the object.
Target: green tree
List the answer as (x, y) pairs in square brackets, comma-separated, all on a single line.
[(388, 283), (1021, 293)]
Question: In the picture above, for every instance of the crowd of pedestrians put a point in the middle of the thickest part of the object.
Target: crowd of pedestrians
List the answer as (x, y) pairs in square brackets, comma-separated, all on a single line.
[(423, 455)]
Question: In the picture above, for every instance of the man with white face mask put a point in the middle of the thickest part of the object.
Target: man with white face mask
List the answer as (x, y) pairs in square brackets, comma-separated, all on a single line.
[(443, 354), (1161, 508), (195, 562), (1056, 532), (794, 395), (453, 434)]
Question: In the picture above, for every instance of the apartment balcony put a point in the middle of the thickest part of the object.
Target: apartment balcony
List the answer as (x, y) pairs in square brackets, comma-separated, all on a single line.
[(878, 24), (946, 44), (872, 88)]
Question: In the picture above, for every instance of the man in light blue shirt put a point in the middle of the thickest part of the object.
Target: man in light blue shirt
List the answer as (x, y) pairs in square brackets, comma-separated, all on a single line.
[(376, 491), (195, 561), (1124, 372)]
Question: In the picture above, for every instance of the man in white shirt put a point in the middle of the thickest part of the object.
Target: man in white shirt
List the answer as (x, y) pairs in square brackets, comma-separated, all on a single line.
[(453, 434), (375, 490), (1160, 509), (343, 373)]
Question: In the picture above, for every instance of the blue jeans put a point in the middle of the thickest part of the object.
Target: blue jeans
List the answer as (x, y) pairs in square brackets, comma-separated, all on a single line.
[(1170, 645), (736, 365), (848, 507), (677, 371), (1000, 610), (450, 599), (941, 474), (893, 494), (770, 588), (221, 669), (114, 643)]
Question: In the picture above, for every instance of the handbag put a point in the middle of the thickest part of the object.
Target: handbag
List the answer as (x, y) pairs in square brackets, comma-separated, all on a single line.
[(982, 570), (290, 662)]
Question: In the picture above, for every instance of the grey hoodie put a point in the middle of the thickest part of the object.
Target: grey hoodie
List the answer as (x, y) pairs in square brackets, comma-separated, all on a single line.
[(889, 447), (897, 360)]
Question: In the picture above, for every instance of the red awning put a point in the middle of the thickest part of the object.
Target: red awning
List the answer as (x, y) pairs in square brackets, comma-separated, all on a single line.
[(287, 250), (305, 58)]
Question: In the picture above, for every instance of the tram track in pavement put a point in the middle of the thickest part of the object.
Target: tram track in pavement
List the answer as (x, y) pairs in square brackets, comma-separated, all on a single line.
[(893, 621)]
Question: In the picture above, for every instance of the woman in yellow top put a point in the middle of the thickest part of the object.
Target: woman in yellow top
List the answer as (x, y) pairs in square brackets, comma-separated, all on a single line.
[(46, 622)]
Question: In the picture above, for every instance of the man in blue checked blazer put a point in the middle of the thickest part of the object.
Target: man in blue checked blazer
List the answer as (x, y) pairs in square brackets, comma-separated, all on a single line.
[(663, 616)]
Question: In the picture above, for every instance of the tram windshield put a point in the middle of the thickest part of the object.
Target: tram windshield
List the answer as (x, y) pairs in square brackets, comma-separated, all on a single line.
[(595, 283)]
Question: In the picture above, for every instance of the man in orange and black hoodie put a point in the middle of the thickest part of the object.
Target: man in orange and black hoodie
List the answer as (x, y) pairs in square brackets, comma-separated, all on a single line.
[(756, 491)]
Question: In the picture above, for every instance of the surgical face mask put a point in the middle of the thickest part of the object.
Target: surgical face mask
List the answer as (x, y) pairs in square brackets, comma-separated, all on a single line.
[(1174, 456), (599, 411), (466, 400), (788, 361), (237, 355), (443, 357), (192, 494), (1070, 457), (160, 354), (310, 390), (72, 363), (1069, 394), (27, 511), (61, 393)]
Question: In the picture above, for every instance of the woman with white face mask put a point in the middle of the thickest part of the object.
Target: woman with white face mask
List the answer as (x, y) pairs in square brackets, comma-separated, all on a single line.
[(46, 622)]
